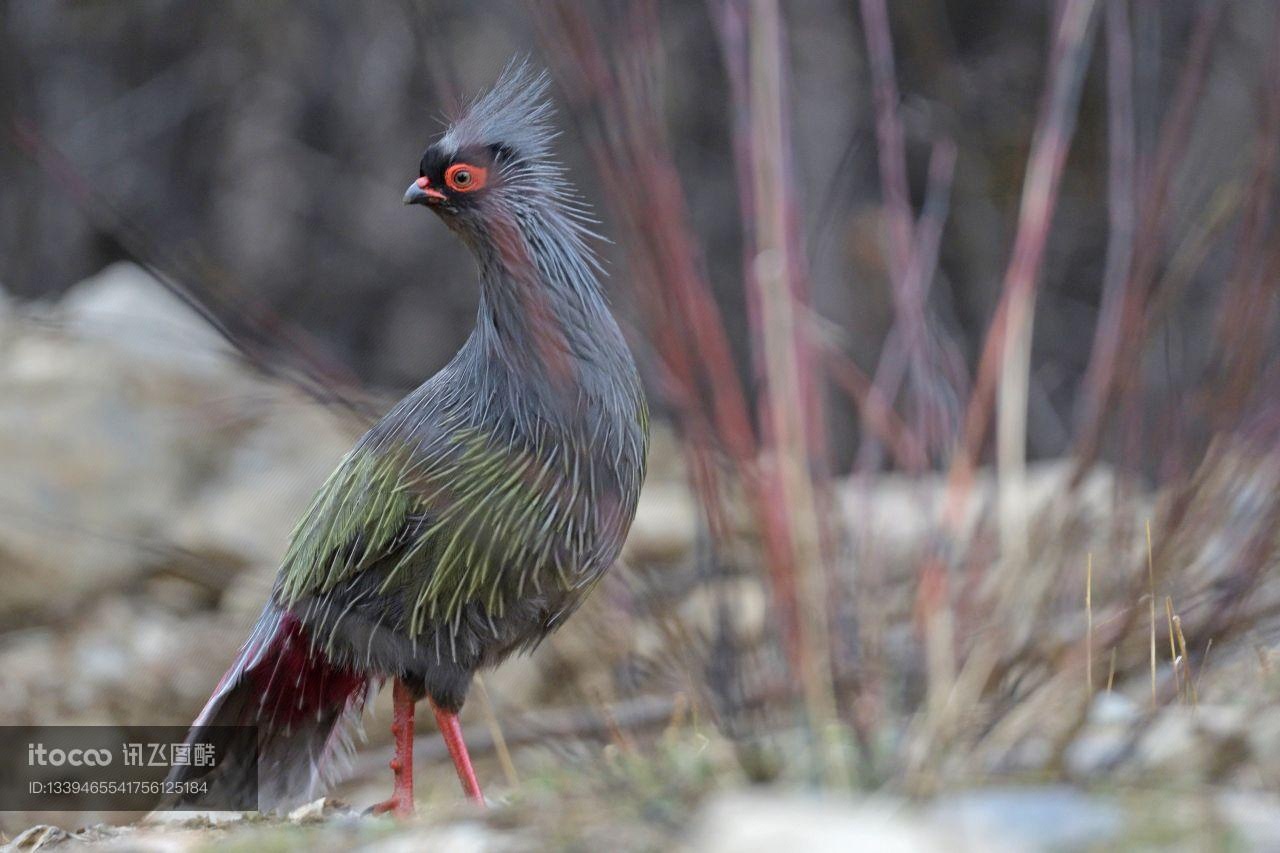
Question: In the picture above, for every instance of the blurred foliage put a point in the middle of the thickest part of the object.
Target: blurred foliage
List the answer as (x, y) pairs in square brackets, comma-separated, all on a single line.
[(264, 150)]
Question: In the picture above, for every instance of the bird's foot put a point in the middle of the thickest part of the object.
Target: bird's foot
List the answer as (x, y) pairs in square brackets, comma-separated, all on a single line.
[(397, 804)]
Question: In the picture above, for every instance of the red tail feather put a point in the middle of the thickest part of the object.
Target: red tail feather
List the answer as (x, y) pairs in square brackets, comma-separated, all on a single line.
[(300, 702), (296, 681)]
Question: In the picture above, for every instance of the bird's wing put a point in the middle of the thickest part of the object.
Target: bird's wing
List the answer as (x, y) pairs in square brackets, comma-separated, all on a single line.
[(448, 523), (355, 519)]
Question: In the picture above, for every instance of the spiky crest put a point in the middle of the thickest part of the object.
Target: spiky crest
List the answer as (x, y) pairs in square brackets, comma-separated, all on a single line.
[(515, 114), (514, 120)]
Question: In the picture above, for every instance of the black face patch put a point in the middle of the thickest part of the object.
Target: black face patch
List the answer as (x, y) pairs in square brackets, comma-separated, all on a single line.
[(432, 166), (435, 164)]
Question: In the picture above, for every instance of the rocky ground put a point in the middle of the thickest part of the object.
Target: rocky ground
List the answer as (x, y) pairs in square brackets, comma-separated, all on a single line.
[(992, 820), (149, 484)]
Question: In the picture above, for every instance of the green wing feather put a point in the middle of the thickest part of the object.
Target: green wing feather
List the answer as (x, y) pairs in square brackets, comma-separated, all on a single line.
[(485, 510)]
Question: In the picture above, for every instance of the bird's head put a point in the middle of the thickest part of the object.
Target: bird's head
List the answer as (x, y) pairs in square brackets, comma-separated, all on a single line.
[(455, 182), (494, 157)]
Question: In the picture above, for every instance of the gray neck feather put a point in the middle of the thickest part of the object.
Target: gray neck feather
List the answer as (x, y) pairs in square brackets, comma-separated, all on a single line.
[(545, 341)]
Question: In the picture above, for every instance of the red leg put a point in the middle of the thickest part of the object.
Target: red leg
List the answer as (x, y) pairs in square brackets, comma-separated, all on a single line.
[(401, 802), (451, 731)]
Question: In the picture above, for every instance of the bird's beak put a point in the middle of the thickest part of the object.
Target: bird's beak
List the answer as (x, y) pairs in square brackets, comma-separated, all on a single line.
[(418, 193)]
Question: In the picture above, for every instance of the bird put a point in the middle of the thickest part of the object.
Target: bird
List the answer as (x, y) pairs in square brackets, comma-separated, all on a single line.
[(476, 515)]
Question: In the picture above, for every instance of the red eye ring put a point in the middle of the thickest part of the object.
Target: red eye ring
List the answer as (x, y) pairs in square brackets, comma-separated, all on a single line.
[(465, 178)]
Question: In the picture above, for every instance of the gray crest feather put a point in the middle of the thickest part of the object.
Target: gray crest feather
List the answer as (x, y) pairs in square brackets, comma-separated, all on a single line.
[(516, 113)]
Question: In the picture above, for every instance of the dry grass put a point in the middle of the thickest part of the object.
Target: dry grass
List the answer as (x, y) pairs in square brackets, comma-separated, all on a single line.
[(962, 656)]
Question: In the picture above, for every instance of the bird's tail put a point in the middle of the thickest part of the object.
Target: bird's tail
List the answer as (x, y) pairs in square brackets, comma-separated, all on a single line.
[(304, 708)]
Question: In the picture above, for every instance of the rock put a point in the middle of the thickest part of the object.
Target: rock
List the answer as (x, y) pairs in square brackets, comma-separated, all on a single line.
[(1096, 751), (28, 662), (995, 819), (1054, 817), (666, 524), (1168, 742), (1263, 734), (132, 443), (745, 602), (40, 837), (122, 659), (245, 511), (169, 821), (125, 308), (898, 512), (319, 810), (1222, 722), (1254, 818), (1194, 744), (1113, 709), (96, 454), (760, 823), (464, 837), (1107, 738)]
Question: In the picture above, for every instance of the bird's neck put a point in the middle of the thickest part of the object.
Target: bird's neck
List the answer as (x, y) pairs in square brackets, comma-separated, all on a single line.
[(542, 311)]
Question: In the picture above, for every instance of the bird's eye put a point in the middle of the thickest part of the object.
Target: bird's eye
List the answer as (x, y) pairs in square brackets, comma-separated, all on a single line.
[(463, 177)]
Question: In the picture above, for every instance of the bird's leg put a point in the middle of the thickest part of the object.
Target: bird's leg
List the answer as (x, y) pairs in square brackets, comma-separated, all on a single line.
[(401, 802), (451, 731)]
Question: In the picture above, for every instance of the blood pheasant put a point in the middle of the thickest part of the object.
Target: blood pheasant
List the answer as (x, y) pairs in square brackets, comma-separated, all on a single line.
[(474, 517)]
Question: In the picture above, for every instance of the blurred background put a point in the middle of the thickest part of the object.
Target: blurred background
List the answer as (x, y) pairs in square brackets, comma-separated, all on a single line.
[(957, 319)]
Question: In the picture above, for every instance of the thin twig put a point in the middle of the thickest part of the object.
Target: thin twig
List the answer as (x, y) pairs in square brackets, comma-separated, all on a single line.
[(495, 732), (1187, 679), (1151, 596), (913, 249), (1124, 328), (1088, 609), (1013, 314)]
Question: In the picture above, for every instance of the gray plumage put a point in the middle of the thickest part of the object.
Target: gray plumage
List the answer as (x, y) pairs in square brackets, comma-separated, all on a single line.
[(475, 516)]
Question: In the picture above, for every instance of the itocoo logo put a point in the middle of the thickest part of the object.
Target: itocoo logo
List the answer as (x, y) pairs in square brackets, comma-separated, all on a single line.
[(37, 755)]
